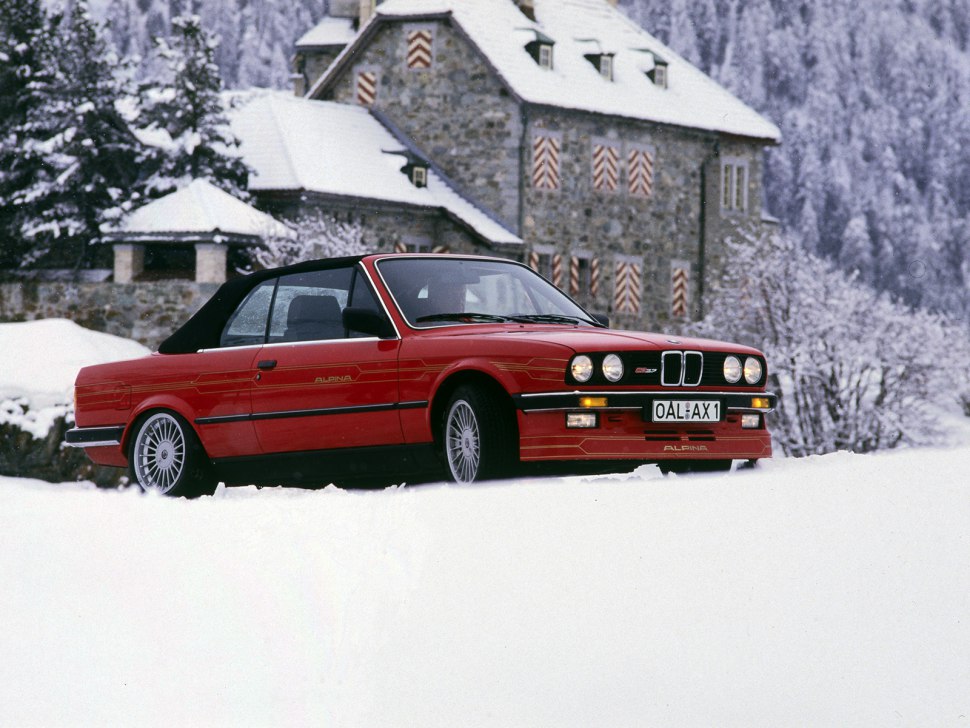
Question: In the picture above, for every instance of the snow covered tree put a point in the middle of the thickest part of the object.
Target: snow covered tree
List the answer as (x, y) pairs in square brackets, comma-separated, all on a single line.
[(854, 370), (77, 152), (27, 69), (187, 108), (319, 235)]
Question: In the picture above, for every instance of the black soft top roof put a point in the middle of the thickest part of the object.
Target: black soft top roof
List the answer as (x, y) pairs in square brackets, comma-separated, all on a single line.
[(203, 330)]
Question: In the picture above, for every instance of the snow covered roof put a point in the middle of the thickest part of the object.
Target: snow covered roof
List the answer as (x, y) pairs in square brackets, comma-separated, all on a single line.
[(295, 144), (200, 208), (579, 27), (328, 32)]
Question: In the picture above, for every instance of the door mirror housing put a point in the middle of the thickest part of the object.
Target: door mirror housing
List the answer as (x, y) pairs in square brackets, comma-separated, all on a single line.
[(601, 318), (368, 321)]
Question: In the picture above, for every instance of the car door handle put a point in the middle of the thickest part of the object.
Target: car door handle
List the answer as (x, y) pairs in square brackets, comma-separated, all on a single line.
[(267, 364)]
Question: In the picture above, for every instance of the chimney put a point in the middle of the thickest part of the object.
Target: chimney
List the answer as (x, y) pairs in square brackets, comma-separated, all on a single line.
[(366, 10), (612, 2), (527, 7)]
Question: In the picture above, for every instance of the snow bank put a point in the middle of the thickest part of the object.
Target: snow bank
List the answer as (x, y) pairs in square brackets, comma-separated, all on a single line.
[(826, 591), (48, 354)]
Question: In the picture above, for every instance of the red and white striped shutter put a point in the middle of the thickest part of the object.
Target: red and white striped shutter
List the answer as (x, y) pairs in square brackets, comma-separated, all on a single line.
[(627, 286), (545, 163), (441, 249), (400, 247), (557, 270), (419, 49), (679, 291), (534, 261), (366, 88), (594, 277), (574, 275), (641, 172), (606, 168)]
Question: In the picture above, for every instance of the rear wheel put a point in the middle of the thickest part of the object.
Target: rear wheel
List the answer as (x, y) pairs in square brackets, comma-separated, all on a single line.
[(166, 457), (478, 441)]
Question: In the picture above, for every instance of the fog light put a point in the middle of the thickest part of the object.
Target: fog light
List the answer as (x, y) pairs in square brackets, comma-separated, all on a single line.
[(576, 420), (592, 401), (761, 403), (750, 422)]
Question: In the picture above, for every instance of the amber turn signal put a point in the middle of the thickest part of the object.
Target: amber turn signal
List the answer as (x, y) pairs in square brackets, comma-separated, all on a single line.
[(592, 401), (760, 403)]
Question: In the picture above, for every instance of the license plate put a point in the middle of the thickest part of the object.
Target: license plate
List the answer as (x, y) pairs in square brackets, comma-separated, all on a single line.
[(685, 410)]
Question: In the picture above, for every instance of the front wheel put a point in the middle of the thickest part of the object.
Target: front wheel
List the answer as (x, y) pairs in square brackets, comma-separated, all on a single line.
[(167, 458), (477, 440)]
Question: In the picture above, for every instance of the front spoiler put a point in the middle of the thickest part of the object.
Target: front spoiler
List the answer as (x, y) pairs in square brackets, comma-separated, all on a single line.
[(626, 400), (94, 436)]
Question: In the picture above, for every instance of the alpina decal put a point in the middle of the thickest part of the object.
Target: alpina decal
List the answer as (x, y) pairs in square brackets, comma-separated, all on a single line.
[(685, 448), (333, 380)]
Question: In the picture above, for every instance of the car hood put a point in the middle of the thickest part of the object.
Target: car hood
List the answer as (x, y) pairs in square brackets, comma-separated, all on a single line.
[(593, 340)]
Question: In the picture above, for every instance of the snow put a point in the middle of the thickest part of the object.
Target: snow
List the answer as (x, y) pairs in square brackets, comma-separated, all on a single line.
[(824, 591), (201, 207), (322, 147), (579, 27), (48, 355), (328, 32)]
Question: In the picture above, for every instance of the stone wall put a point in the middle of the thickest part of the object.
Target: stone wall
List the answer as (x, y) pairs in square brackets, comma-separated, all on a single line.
[(461, 114), (146, 312), (458, 112)]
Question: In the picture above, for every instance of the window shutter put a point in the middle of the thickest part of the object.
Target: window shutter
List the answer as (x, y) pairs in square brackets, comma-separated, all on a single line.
[(679, 300), (534, 261), (606, 168), (400, 247), (545, 163), (441, 249), (574, 275), (419, 49), (557, 270), (641, 173), (366, 88), (594, 277), (627, 285)]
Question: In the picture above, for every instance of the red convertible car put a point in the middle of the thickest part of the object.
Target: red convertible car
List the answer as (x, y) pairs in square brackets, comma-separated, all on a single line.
[(339, 370)]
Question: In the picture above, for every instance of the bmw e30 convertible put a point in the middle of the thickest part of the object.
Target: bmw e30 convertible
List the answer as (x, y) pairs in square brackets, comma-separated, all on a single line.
[(469, 367)]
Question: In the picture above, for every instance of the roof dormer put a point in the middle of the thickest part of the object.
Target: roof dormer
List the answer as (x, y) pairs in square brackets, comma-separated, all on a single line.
[(601, 60), (655, 68), (415, 167), (540, 48)]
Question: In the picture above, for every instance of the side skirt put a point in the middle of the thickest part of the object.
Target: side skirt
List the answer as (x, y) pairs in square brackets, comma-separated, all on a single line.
[(357, 466)]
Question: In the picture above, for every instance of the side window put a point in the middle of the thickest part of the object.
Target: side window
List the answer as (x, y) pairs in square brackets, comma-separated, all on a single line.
[(363, 297), (247, 325), (309, 306)]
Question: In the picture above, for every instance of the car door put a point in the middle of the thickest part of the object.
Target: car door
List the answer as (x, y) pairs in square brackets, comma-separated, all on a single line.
[(320, 386)]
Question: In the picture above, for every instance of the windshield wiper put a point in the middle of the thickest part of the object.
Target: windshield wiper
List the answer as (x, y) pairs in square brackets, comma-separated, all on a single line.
[(552, 318), (468, 316)]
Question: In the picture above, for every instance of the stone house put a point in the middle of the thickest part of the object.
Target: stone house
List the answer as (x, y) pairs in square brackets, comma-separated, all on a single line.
[(620, 167)]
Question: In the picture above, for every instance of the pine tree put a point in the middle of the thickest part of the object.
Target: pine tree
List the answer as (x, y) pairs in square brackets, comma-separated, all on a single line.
[(27, 70), (188, 107), (82, 151)]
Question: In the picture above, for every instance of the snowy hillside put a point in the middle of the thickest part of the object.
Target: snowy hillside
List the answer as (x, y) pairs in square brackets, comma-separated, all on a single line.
[(823, 591)]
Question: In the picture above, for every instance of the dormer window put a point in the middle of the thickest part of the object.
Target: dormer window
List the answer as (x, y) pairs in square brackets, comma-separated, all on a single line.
[(606, 66), (659, 74), (419, 176), (540, 48), (545, 55)]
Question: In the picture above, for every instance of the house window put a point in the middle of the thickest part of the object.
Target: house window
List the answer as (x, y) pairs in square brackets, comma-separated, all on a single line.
[(606, 167), (419, 49), (606, 67), (734, 185), (545, 55), (581, 274), (545, 162), (366, 88), (660, 75), (413, 245), (419, 176), (640, 172)]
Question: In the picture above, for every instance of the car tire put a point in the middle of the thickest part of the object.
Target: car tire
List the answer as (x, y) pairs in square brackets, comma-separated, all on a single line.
[(477, 440), (166, 457)]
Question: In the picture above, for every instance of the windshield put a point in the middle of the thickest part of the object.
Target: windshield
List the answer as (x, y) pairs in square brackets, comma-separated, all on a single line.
[(440, 291)]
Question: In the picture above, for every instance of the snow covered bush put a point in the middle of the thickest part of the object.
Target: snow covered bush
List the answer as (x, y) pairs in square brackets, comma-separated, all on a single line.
[(319, 235), (854, 369)]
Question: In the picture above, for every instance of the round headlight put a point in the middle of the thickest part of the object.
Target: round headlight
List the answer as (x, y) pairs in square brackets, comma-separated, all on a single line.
[(732, 369), (613, 367), (752, 370), (581, 368)]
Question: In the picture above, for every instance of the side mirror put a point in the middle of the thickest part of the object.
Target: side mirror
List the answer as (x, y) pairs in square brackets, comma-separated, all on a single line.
[(601, 318), (368, 322)]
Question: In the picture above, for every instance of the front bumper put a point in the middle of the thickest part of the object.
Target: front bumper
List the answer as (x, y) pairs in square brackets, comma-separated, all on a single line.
[(624, 430)]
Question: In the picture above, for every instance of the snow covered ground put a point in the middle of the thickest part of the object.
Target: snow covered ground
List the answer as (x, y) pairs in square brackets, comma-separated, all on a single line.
[(826, 591)]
